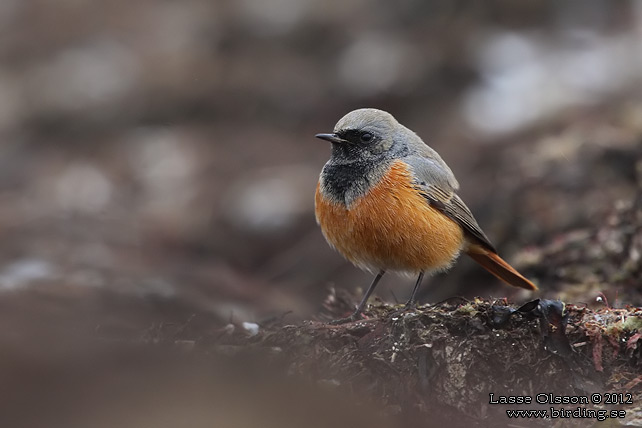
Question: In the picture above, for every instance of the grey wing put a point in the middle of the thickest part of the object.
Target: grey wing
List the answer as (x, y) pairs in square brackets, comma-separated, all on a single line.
[(438, 185)]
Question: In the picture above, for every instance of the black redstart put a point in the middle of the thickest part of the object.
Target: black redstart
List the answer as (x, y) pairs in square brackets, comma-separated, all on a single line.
[(387, 202)]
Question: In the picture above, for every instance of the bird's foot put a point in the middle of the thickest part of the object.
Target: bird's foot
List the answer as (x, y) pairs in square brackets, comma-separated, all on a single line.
[(409, 306)]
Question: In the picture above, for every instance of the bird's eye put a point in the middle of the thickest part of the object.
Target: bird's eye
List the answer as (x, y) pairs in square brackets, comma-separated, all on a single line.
[(366, 137)]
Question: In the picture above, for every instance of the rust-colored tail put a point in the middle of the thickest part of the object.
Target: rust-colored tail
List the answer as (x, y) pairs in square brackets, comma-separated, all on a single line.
[(498, 267)]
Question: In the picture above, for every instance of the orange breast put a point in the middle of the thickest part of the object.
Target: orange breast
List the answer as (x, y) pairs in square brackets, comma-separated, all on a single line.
[(391, 228)]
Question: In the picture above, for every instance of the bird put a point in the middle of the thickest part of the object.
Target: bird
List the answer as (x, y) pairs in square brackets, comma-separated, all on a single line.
[(388, 202)]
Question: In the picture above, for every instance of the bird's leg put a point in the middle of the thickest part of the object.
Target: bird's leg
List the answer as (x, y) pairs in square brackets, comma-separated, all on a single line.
[(413, 297), (355, 315)]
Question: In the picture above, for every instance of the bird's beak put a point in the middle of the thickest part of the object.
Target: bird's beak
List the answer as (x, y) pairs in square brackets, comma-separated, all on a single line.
[(333, 138)]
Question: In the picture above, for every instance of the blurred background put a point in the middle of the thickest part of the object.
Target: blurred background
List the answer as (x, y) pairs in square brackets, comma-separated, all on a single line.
[(158, 164)]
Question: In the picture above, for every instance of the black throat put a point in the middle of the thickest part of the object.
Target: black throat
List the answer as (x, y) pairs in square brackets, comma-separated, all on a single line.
[(340, 178)]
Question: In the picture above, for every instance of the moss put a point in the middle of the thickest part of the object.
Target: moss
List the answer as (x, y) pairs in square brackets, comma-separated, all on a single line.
[(445, 359)]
